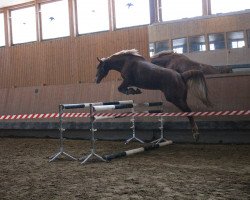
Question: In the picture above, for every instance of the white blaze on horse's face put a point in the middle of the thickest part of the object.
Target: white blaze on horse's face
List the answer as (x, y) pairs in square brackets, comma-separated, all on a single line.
[(102, 71)]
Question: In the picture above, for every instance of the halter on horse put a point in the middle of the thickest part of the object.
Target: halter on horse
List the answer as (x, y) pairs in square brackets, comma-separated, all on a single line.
[(138, 72)]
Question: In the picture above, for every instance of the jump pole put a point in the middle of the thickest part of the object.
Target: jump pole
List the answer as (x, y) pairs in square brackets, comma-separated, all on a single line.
[(138, 150), (93, 109)]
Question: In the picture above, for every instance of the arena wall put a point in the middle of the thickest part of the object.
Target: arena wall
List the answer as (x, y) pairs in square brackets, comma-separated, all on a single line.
[(67, 60), (224, 93), (221, 23), (37, 77)]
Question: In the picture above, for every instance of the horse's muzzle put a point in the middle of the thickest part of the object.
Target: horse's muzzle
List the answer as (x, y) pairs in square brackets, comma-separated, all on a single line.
[(97, 80)]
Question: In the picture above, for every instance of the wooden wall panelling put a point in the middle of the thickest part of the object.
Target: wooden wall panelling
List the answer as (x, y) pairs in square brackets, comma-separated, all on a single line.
[(66, 60)]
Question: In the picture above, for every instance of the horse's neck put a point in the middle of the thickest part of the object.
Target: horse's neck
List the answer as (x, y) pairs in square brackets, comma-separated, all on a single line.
[(116, 64)]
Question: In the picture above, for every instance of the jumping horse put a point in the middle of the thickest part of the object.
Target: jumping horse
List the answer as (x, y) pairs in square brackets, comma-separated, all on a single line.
[(182, 63), (137, 72)]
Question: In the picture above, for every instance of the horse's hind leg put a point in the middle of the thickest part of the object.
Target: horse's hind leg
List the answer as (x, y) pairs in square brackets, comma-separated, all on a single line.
[(182, 105)]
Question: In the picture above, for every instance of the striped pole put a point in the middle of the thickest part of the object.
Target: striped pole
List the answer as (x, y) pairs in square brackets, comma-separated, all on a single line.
[(87, 105), (134, 151), (112, 107)]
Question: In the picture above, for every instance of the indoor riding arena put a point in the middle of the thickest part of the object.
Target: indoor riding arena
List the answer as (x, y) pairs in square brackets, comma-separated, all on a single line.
[(124, 99)]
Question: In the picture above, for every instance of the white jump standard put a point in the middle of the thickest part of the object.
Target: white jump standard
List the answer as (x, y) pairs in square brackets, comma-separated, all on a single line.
[(61, 129), (102, 107), (149, 104), (92, 153)]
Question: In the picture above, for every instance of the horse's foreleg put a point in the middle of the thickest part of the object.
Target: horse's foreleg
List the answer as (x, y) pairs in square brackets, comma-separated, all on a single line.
[(124, 88)]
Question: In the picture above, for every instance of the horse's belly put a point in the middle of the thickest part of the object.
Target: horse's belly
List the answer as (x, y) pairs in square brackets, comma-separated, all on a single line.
[(149, 84)]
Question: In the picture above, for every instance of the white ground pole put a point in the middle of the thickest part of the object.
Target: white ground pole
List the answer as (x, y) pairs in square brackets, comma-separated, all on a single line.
[(61, 129), (138, 150)]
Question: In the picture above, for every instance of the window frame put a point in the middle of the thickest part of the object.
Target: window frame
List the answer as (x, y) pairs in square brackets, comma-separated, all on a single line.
[(224, 12), (186, 42), (39, 16), (190, 50), (224, 40), (77, 20), (130, 26), (161, 12), (4, 31), (19, 7), (236, 40), (162, 41)]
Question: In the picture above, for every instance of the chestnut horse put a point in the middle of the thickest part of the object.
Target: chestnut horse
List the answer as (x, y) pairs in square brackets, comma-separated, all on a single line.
[(138, 72), (182, 63)]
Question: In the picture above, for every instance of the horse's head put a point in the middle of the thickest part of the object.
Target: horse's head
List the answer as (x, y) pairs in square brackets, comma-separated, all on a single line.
[(102, 70)]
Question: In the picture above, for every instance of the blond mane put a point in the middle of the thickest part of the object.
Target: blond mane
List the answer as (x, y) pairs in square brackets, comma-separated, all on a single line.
[(162, 53), (133, 52)]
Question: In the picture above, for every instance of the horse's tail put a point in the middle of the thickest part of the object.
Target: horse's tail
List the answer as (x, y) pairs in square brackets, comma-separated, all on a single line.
[(195, 79)]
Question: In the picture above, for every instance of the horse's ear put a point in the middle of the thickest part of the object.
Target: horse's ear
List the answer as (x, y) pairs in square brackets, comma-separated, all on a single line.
[(99, 60)]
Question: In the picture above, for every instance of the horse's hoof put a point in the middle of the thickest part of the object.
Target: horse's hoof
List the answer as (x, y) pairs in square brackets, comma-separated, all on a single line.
[(196, 137)]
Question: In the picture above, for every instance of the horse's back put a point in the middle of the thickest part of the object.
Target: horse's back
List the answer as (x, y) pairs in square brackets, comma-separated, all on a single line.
[(150, 76)]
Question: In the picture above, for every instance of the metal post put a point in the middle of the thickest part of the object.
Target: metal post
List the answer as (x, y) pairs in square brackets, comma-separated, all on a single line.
[(61, 129), (133, 129), (92, 151), (161, 127)]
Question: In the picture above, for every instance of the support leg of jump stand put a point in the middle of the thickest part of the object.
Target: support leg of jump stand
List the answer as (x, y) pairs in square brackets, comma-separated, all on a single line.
[(92, 153), (162, 133), (133, 129), (133, 138), (61, 151)]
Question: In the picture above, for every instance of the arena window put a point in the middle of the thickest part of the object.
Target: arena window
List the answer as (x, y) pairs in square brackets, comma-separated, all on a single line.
[(55, 19), (131, 13), (161, 46), (216, 41), (224, 6), (178, 9), (151, 49), (2, 32), (23, 25), (197, 43), (92, 16), (180, 45), (235, 39)]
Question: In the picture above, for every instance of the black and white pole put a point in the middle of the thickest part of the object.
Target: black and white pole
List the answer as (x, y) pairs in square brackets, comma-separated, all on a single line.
[(134, 151), (93, 130), (61, 129), (133, 129)]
